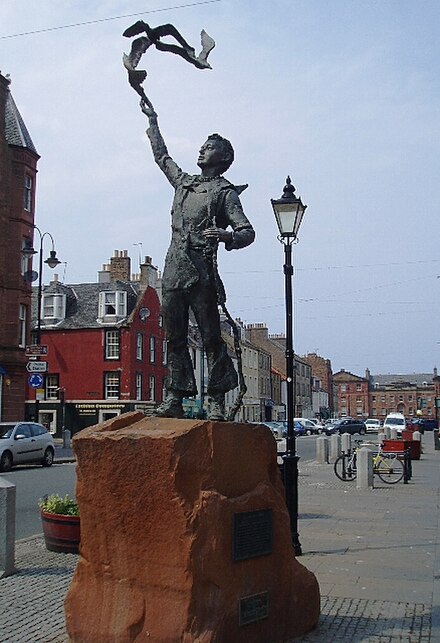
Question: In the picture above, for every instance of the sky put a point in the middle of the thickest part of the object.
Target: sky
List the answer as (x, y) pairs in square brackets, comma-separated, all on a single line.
[(343, 96)]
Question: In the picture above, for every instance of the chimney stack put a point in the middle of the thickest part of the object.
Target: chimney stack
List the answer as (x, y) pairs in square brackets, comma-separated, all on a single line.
[(120, 266)]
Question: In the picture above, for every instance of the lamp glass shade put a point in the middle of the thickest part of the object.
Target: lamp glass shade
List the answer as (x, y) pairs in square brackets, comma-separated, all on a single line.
[(52, 261), (288, 214)]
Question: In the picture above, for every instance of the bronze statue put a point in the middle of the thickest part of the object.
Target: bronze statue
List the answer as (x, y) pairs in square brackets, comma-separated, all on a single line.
[(206, 211)]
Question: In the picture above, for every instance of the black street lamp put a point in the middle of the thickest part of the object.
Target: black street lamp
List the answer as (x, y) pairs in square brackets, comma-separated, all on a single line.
[(289, 211), (52, 261)]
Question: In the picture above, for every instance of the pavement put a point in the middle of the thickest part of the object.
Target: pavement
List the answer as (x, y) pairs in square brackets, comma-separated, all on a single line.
[(375, 553)]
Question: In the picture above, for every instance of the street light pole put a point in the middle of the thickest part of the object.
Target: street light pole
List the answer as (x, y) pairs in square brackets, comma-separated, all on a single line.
[(289, 211), (52, 261)]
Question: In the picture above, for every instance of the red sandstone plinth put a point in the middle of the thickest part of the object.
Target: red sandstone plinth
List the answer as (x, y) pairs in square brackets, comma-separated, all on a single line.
[(157, 499)]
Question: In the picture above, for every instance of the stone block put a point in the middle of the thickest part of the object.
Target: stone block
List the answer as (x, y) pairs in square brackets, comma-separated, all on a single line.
[(157, 499)]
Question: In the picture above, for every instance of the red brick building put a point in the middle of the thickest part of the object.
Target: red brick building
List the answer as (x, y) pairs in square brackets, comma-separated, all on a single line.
[(322, 370), (18, 169), (106, 347), (352, 394)]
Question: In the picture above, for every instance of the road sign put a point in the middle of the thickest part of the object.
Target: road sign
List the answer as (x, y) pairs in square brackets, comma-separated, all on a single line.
[(36, 367), (36, 350), (35, 380)]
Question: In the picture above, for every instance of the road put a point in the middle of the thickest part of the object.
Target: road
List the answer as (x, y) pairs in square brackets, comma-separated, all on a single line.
[(34, 482)]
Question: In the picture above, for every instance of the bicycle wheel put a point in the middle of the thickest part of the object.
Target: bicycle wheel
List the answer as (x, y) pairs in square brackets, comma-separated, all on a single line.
[(389, 470), (345, 467)]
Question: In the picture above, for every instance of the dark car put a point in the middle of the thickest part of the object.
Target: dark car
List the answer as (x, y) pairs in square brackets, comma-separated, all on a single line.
[(346, 425), (424, 424)]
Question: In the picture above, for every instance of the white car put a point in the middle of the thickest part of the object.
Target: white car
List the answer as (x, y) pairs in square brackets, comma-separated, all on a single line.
[(395, 421), (25, 443), (372, 425)]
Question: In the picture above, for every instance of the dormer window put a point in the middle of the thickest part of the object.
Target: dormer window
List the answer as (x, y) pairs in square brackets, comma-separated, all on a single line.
[(54, 308), (112, 305)]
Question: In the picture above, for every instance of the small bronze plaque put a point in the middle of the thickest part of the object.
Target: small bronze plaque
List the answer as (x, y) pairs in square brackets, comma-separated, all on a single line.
[(252, 534), (253, 608)]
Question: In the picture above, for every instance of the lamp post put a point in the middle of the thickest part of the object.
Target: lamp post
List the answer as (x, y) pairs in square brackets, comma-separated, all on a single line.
[(52, 261), (289, 211)]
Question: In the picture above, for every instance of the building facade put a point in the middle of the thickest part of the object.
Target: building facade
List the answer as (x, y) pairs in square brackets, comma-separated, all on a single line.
[(352, 393), (275, 346), (322, 371), (106, 348), (18, 170), (412, 394)]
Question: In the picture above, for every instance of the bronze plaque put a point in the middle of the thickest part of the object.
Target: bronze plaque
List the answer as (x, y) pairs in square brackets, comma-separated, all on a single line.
[(253, 608), (252, 534)]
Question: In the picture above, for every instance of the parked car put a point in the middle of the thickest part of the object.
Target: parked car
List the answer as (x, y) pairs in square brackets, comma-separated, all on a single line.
[(346, 425), (395, 421), (25, 443), (424, 424), (310, 427), (373, 425)]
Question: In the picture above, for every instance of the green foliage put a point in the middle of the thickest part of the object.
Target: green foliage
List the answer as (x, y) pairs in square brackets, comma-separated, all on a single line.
[(55, 504)]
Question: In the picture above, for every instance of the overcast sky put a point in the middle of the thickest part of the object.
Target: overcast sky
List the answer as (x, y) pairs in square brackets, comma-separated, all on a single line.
[(341, 95)]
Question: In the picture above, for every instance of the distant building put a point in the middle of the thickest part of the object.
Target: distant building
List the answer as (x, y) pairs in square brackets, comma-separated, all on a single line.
[(409, 394), (18, 171), (352, 394), (275, 346), (106, 347), (322, 370)]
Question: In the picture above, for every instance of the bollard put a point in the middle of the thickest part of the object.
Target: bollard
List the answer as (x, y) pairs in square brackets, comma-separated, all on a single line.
[(417, 437), (335, 446), (393, 434), (322, 450), (7, 528), (346, 443), (364, 466), (436, 440), (387, 432), (66, 439), (380, 437)]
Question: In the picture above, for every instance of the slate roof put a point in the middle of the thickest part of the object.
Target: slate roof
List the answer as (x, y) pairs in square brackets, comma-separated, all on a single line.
[(416, 379), (16, 131), (82, 303)]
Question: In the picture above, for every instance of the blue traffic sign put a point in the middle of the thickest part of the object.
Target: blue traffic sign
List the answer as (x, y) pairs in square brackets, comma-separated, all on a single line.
[(35, 380)]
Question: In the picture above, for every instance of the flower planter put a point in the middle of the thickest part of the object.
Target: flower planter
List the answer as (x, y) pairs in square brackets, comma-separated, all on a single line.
[(61, 533)]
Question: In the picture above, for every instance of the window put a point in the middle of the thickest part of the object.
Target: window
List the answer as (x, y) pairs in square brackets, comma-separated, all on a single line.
[(165, 353), (139, 346), (27, 193), (164, 389), (52, 386), (152, 387), (112, 304), (22, 314), (152, 349), (112, 381), (54, 307), (358, 387), (160, 321), (138, 386), (112, 344), (343, 388)]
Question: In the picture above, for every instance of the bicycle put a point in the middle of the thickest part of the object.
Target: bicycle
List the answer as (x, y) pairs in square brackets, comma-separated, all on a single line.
[(387, 466)]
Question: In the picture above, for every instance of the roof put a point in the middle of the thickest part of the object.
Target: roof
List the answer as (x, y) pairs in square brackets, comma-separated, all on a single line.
[(82, 303), (416, 379), (15, 129)]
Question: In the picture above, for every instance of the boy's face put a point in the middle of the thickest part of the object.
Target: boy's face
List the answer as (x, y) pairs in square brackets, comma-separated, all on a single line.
[(211, 154)]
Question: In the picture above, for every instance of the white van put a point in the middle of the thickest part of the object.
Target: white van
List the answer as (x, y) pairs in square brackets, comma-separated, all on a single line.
[(395, 421)]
